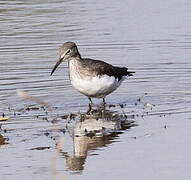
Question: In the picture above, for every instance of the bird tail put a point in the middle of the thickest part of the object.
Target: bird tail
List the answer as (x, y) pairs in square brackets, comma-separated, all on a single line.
[(130, 73)]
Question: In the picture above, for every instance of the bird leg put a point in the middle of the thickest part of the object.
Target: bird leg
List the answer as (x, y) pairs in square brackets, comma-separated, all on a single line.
[(90, 105), (104, 103), (89, 109), (90, 100)]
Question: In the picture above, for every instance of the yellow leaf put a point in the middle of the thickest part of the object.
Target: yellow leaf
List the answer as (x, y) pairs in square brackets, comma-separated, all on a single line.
[(4, 118)]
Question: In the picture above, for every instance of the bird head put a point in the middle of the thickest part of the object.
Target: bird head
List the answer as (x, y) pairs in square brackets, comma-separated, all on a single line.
[(66, 52)]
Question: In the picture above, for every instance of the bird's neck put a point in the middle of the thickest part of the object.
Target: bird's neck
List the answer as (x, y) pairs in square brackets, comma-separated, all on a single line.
[(76, 54), (75, 62), (75, 68)]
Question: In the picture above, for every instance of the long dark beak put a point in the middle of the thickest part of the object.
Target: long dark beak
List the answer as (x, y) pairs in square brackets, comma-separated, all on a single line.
[(56, 65)]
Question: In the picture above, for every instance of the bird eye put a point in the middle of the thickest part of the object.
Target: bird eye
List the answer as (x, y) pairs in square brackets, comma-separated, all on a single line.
[(69, 51)]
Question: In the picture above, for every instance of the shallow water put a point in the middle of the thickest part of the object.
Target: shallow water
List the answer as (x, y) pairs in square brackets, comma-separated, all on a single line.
[(151, 38)]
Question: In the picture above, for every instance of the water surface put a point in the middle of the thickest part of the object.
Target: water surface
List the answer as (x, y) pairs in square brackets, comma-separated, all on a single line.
[(151, 38)]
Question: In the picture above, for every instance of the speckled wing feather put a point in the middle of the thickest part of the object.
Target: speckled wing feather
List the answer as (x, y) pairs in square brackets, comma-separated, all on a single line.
[(101, 68)]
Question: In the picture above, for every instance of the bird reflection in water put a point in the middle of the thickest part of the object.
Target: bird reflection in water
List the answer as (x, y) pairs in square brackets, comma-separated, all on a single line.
[(97, 128)]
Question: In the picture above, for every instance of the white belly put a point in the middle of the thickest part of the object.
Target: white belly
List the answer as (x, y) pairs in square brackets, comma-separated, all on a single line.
[(96, 86)]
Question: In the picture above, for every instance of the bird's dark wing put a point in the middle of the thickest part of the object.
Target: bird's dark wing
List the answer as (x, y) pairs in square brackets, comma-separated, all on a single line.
[(100, 68)]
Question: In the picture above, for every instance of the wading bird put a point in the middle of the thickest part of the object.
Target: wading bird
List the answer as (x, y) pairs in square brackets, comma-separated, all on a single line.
[(93, 78)]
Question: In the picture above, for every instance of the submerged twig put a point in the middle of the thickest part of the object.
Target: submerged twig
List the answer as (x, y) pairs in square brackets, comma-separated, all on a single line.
[(55, 173), (26, 96), (59, 143)]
